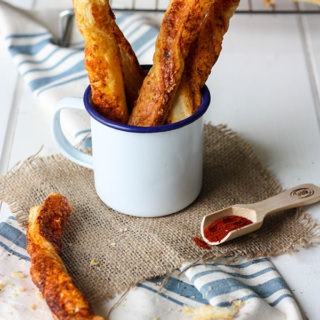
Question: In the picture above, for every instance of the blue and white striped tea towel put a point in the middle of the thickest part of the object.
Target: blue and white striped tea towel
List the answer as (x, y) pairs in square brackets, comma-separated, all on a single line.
[(53, 72), (243, 290), (255, 282), (247, 289)]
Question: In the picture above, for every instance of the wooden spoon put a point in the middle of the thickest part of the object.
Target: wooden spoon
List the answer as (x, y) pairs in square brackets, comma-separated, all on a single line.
[(301, 195)]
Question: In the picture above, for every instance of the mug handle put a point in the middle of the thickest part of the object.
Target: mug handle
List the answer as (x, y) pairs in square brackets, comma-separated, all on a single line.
[(66, 148)]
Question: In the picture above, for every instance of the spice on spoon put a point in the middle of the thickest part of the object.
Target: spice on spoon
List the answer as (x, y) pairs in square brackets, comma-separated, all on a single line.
[(220, 228)]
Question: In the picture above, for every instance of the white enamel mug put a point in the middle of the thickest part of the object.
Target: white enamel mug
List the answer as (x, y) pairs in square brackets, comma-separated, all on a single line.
[(140, 171)]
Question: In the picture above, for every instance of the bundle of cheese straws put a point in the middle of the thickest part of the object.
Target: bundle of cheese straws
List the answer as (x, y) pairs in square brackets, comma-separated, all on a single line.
[(187, 47)]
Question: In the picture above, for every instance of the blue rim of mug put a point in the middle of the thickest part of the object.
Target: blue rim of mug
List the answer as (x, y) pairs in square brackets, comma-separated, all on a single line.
[(206, 97)]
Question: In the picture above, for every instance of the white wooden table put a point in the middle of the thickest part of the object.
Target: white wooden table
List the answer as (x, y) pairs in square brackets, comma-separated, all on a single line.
[(265, 86)]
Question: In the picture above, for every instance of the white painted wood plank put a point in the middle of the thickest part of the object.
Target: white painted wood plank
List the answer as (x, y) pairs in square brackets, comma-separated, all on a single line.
[(33, 130), (243, 5), (142, 4), (261, 89), (308, 6), (8, 84), (40, 4), (24, 4), (311, 24), (285, 5)]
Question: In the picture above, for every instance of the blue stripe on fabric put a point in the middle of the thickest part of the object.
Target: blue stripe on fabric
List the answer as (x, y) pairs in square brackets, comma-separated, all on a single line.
[(143, 39), (286, 295), (121, 17), (225, 286), (241, 265), (39, 61), (27, 35), (140, 52), (77, 44), (41, 82), (12, 234), (244, 298), (13, 252), (270, 287), (134, 30), (144, 286), (181, 288), (234, 274), (31, 49), (70, 54), (62, 82), (253, 295)]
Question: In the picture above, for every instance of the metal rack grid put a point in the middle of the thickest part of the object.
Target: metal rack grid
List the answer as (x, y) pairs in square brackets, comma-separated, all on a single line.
[(159, 6), (245, 6)]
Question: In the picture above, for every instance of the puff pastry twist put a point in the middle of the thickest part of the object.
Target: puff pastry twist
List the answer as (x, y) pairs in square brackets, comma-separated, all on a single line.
[(47, 269), (204, 53), (107, 54), (179, 28)]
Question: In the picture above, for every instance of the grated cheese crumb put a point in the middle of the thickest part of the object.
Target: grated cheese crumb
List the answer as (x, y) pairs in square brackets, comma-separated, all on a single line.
[(2, 285), (18, 275), (39, 295), (94, 262), (208, 312), (32, 307)]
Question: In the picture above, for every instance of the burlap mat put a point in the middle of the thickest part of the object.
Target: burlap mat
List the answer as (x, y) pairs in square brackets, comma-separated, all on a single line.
[(107, 252)]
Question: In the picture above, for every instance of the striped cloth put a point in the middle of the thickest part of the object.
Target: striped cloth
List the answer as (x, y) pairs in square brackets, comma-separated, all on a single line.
[(257, 283), (47, 67), (53, 72)]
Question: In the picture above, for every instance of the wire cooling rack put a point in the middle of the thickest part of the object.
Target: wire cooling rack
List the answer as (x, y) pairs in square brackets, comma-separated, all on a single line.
[(154, 6), (245, 6)]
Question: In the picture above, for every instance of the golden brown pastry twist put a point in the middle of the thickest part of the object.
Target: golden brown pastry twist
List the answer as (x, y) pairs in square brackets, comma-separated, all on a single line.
[(47, 269), (96, 23), (179, 29), (204, 53)]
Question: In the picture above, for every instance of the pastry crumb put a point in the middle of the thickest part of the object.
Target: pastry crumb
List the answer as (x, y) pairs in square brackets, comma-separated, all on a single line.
[(208, 312), (32, 307), (2, 285), (39, 295), (18, 275), (94, 262)]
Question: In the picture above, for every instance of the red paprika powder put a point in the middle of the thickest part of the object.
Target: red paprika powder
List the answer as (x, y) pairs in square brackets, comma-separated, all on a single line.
[(201, 243), (219, 228)]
